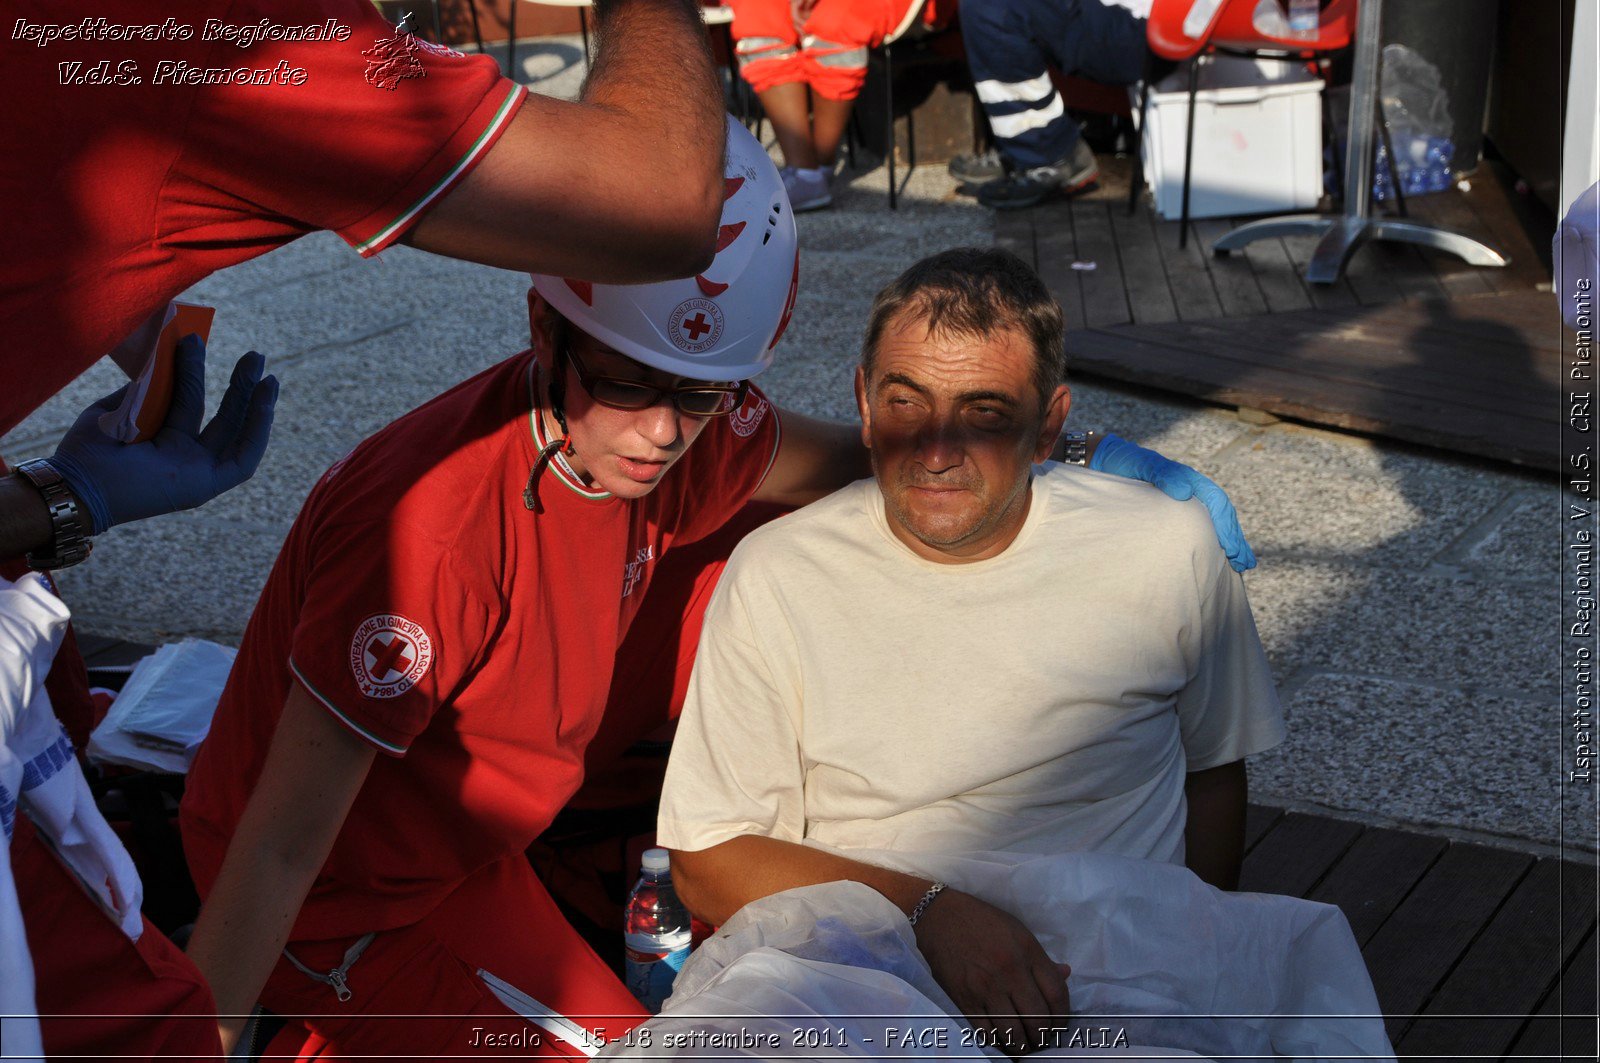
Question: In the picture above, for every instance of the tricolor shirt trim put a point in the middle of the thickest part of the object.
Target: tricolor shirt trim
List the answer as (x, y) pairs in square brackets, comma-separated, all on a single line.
[(501, 118), (558, 464), (360, 731)]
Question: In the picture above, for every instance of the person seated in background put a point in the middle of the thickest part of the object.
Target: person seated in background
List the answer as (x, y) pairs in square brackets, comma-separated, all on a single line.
[(806, 61), (967, 652), (1011, 45)]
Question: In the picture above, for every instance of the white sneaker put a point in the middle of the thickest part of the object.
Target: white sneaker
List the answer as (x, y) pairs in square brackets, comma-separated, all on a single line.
[(809, 188)]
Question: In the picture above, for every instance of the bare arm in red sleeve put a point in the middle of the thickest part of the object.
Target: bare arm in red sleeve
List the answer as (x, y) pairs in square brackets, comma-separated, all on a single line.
[(624, 186), (314, 769)]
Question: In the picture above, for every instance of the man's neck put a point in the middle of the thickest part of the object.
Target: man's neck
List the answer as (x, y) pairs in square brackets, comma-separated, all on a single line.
[(996, 542)]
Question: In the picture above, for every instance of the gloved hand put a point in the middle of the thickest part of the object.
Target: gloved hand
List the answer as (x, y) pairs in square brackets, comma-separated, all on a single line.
[(1119, 457), (184, 466)]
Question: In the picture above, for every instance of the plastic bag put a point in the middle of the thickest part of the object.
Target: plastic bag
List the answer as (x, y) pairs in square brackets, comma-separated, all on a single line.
[(1416, 109), (164, 711), (1166, 961), (1576, 246)]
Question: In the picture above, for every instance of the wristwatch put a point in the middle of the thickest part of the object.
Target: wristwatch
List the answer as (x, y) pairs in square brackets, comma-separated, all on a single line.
[(1075, 447), (69, 529)]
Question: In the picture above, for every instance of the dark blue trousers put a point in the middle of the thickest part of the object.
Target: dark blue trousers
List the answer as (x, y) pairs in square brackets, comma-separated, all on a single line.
[(1010, 44)]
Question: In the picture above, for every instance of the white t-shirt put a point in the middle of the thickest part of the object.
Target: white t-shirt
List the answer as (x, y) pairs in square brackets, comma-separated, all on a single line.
[(1048, 699)]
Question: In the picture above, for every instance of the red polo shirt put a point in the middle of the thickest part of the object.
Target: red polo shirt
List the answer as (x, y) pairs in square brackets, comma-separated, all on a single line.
[(150, 145), (464, 635)]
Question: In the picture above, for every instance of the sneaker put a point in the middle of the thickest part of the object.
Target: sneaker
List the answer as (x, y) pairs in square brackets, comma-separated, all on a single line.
[(1025, 188), (808, 188), (979, 168)]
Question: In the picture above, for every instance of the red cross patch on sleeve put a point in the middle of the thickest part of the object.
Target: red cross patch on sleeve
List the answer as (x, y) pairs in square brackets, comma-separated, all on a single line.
[(388, 654)]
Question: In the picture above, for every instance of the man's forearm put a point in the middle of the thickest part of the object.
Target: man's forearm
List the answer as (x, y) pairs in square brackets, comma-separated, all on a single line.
[(654, 62), (624, 186), (718, 881), (24, 518), (1214, 834)]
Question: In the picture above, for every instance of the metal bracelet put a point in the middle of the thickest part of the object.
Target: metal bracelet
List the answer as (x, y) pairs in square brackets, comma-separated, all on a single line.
[(69, 527), (927, 899), (1075, 447)]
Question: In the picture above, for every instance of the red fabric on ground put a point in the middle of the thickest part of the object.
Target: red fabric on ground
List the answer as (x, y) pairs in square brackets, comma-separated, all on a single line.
[(148, 1000)]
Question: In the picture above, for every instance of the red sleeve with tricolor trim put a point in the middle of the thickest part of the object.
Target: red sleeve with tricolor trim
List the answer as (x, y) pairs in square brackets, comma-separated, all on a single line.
[(388, 631), (359, 136), (722, 470)]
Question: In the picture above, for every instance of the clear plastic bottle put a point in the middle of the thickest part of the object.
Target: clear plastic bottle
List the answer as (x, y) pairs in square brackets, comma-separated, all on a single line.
[(1304, 17), (656, 932)]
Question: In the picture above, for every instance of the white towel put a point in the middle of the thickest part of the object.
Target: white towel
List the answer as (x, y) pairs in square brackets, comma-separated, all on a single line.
[(52, 788), (32, 622)]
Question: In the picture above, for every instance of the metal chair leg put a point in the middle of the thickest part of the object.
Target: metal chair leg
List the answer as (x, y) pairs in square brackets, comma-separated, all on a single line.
[(888, 94), (1188, 149), (511, 41), (477, 31), (1136, 182), (1394, 163)]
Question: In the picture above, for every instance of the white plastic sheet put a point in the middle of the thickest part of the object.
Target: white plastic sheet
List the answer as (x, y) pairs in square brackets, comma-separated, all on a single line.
[(164, 711), (1161, 963), (1577, 255)]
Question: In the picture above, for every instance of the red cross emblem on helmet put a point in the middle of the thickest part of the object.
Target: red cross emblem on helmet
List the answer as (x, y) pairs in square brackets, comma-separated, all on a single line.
[(695, 325)]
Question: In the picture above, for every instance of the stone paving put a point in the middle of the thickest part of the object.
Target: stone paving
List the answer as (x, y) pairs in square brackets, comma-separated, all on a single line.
[(1408, 599)]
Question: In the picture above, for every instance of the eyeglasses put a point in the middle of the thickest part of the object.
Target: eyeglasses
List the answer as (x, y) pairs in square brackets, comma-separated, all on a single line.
[(694, 400)]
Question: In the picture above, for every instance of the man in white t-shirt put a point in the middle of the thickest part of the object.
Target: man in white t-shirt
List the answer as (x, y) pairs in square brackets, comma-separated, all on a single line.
[(968, 653)]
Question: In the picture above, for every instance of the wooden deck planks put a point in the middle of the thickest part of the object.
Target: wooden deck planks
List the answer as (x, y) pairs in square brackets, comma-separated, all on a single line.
[(1478, 375), (1279, 279), (1105, 294), (1507, 379), (1415, 949), (1295, 853), (1193, 294), (1455, 277), (1258, 819), (1143, 275), (1564, 1025), (1509, 966), (1056, 244), (1375, 875), (1234, 276), (1461, 373)]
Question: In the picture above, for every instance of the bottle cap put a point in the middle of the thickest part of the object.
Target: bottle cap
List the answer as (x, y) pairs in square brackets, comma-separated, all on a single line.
[(655, 860)]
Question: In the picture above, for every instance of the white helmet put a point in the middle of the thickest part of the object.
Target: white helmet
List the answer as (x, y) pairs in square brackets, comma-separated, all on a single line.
[(723, 323)]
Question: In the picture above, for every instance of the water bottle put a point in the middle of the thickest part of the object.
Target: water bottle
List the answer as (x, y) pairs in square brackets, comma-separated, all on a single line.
[(656, 932), (1304, 16)]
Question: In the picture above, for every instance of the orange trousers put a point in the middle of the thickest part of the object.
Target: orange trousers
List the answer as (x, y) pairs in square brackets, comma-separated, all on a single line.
[(827, 51)]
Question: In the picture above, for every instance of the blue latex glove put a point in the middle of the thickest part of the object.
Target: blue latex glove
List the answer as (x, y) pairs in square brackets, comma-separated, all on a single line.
[(1119, 457), (184, 465)]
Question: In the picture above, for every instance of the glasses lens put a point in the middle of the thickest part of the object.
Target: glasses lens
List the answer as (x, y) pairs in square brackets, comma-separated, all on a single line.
[(624, 395), (708, 402)]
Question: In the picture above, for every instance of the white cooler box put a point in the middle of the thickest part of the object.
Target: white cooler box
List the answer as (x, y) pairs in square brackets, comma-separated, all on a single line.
[(1257, 139)]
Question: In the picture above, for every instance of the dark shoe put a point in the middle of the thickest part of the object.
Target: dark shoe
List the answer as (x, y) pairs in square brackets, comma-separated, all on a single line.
[(976, 169), (1025, 188)]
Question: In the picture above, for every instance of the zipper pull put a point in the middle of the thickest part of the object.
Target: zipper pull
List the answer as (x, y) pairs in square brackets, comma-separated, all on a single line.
[(341, 988)]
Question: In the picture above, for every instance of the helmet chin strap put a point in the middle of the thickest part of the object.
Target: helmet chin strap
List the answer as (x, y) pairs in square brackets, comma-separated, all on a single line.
[(557, 391)]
